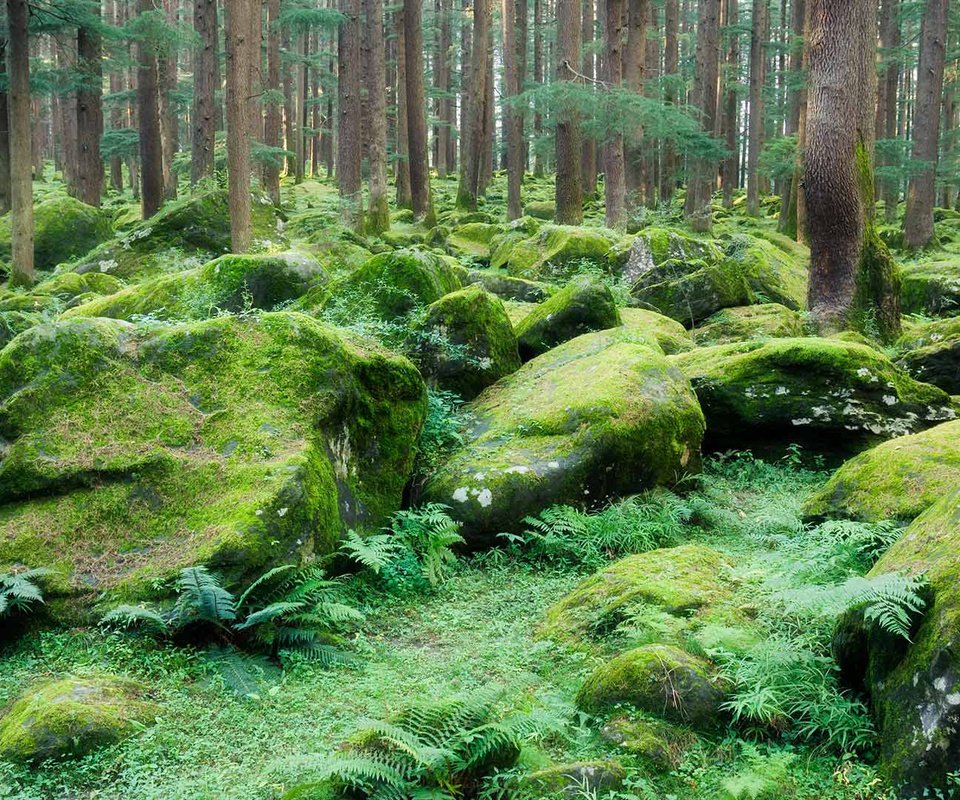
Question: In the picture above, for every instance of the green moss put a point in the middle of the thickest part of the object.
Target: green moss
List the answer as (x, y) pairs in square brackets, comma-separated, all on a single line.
[(766, 321), (518, 311), (876, 306), (69, 285), (657, 679), (678, 580), (930, 287), (791, 390), (508, 287), (583, 305), (72, 716), (554, 431), (658, 744), (64, 228), (472, 239), (670, 335), (542, 209), (551, 249), (580, 777)]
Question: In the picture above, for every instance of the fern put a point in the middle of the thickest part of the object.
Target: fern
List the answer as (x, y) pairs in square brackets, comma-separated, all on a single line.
[(201, 598), (20, 591), (371, 552), (889, 600), (129, 617)]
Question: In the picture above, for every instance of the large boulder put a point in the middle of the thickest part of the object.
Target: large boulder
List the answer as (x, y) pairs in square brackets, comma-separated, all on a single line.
[(933, 354), (585, 304), (466, 342), (808, 390), (472, 239), (235, 442), (603, 414), (72, 717), (64, 228), (743, 323), (231, 283), (181, 235), (508, 287), (658, 679), (931, 287), (670, 335), (693, 279), (915, 686), (552, 249), (898, 479)]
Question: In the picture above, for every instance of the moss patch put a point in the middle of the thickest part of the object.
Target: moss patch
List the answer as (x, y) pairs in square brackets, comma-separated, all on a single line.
[(765, 321), (670, 335), (64, 228)]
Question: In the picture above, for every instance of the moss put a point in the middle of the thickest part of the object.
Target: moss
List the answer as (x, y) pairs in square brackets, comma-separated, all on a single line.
[(13, 323), (556, 430), (230, 283), (678, 580), (670, 335), (930, 287), (236, 442), (72, 716), (585, 304), (657, 679), (542, 209), (766, 321), (479, 347), (897, 479), (64, 228), (69, 285), (937, 363), (658, 744), (472, 239), (576, 779), (808, 389), (551, 249), (508, 287)]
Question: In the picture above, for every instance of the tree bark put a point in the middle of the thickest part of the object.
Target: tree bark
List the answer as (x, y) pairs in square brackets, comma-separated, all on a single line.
[(614, 180), (416, 111), (634, 69), (729, 170), (886, 121), (758, 68), (66, 117), (473, 149), (206, 76), (349, 154), (538, 166), (402, 163), (148, 112), (273, 119), (89, 113), (569, 194), (671, 61), (240, 52), (376, 73), (513, 116), (921, 191), (588, 159), (4, 134), (169, 124), (21, 189)]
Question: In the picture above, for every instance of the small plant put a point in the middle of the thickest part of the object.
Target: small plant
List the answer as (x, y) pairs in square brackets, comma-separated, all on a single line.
[(20, 593)]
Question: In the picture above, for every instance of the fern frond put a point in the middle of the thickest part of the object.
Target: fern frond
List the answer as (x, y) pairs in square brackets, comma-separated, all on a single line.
[(128, 617), (372, 552)]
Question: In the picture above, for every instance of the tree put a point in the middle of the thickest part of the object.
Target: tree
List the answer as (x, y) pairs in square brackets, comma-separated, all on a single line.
[(886, 121), (921, 192), (21, 189), (376, 74), (614, 179), (510, 11), (416, 111), (349, 155), (241, 51), (853, 280), (569, 193), (758, 62), (148, 112), (4, 134), (273, 119), (474, 143), (89, 174)]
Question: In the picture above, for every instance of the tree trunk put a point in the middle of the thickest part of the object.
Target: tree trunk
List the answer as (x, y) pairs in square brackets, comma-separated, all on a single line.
[(402, 163), (853, 280), (473, 149), (703, 171), (289, 99), (148, 112), (538, 167), (634, 69), (376, 74), (89, 114), (416, 111), (21, 189), (790, 202), (730, 169), (569, 195), (240, 52), (758, 68), (349, 154), (273, 120), (588, 159), (513, 121), (886, 122), (671, 61), (614, 186), (169, 124), (921, 192), (66, 116), (4, 134), (206, 76)]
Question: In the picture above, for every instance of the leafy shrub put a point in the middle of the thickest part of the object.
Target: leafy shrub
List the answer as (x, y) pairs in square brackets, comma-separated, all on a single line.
[(442, 433)]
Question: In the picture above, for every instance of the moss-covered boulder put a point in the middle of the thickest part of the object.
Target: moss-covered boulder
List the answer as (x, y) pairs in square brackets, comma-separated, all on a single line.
[(573, 780), (235, 442), (898, 479), (603, 414), (467, 342), (656, 743), (915, 687), (540, 209), (70, 285), (670, 335), (659, 679), (391, 285), (551, 249), (183, 234), (677, 580), (73, 716), (585, 304), (64, 228), (740, 324), (231, 283), (930, 287), (704, 278), (13, 323), (937, 363), (507, 286), (472, 239), (808, 390)]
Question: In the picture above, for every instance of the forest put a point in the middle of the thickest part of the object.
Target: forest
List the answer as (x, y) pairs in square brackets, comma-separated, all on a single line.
[(479, 400)]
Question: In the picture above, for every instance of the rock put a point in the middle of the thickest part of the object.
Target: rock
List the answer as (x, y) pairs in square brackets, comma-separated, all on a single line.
[(70, 285), (543, 209), (231, 283), (183, 234), (743, 323), (670, 334), (930, 287), (677, 580), (396, 283), (72, 717), (898, 479), (338, 249), (234, 442), (701, 280), (934, 355), (13, 323), (573, 780), (915, 687), (657, 743), (64, 228), (585, 304), (472, 239), (602, 414), (808, 390), (508, 287), (658, 679), (518, 311), (479, 345), (551, 249)]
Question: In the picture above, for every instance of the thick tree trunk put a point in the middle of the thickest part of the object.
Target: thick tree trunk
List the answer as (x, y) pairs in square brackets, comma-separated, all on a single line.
[(790, 202), (240, 52), (671, 61), (169, 124), (66, 117), (538, 166), (886, 121), (921, 192), (273, 119), (634, 71), (89, 115), (402, 163), (473, 148), (729, 170), (703, 171), (614, 180), (853, 280), (513, 116), (569, 195), (21, 189), (376, 73), (349, 154), (206, 76), (758, 68), (588, 159), (416, 111), (116, 113), (148, 112), (4, 134)]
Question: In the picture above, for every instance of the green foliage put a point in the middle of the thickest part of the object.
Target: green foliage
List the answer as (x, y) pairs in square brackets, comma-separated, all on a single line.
[(20, 592), (442, 431)]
